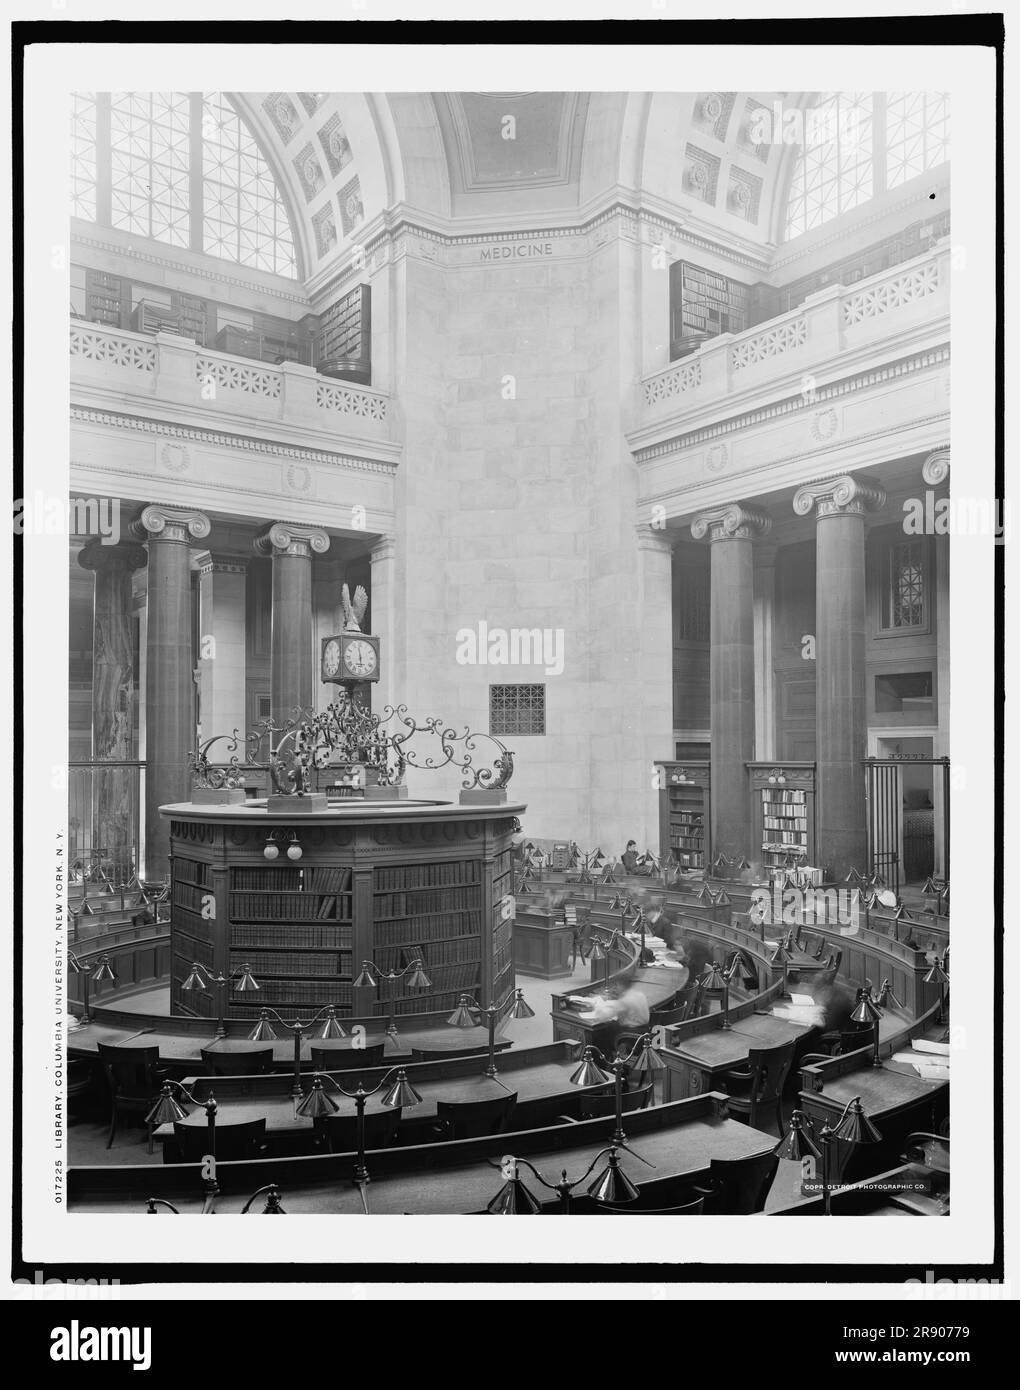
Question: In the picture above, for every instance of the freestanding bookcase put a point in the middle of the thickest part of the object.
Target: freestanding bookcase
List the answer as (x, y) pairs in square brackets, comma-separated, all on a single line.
[(685, 822), (380, 881)]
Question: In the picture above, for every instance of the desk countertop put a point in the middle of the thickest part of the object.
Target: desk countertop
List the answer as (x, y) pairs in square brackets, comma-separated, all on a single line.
[(729, 1047), (676, 1152), (530, 1083), (881, 1089)]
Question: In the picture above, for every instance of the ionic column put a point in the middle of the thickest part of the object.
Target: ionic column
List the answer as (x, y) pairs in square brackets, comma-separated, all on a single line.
[(114, 698), (169, 682), (731, 531), (839, 505), (291, 547)]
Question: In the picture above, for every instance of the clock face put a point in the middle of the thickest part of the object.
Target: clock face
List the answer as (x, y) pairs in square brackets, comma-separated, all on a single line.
[(359, 658), (331, 657)]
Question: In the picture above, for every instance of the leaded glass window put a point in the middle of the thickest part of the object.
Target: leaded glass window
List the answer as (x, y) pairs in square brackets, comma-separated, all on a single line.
[(906, 585), (149, 159), (83, 155), (244, 219), (917, 134)]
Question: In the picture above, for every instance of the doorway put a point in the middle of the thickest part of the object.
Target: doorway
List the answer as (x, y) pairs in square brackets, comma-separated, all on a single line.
[(907, 810)]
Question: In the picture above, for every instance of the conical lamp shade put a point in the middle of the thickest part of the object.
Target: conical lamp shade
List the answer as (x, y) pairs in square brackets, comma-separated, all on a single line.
[(316, 1102), (247, 982), (648, 1060), (855, 1127), (402, 1093), (781, 956), (521, 1009), (462, 1017), (263, 1030), (797, 1143), (597, 951), (613, 1184), (105, 972), (418, 979), (331, 1028), (589, 1073), (513, 1199), (865, 1011), (936, 975), (368, 978), (166, 1109), (712, 977), (886, 999)]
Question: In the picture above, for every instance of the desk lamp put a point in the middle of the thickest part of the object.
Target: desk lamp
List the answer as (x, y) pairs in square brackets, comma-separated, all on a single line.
[(371, 977), (195, 980), (852, 1127), (399, 1094), (612, 1185), (867, 1013), (590, 1073), (937, 976), (713, 981), (469, 1012)]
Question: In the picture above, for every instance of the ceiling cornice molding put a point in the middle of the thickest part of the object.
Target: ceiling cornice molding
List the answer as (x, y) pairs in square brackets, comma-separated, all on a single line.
[(365, 463)]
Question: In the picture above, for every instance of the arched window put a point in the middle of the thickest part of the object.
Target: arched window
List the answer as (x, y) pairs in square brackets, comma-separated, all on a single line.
[(181, 168), (856, 145)]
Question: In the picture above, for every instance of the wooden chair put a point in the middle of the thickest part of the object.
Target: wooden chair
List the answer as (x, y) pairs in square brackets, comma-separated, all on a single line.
[(246, 1139), (339, 1133), (757, 1091), (595, 1106), (252, 1063), (738, 1186), (134, 1079), (473, 1119), (347, 1059), (931, 1150), (80, 1081)]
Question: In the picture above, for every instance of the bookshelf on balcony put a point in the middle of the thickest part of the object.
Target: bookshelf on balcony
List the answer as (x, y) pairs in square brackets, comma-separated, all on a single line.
[(783, 799)]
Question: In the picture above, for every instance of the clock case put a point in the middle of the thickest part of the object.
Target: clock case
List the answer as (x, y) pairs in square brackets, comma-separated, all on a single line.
[(342, 676)]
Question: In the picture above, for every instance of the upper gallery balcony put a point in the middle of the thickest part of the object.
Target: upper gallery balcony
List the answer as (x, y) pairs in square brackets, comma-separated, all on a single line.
[(179, 351), (899, 311)]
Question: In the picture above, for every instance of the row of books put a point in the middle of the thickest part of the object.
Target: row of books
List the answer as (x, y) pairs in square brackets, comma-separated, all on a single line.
[(425, 1003), (319, 993), (455, 976), (785, 837), (187, 896), (789, 796), (783, 848), (294, 963), (281, 907), (785, 822), (336, 937), (192, 924), (285, 879), (502, 960), (689, 860), (678, 841), (439, 875), (425, 901), (194, 871), (687, 818), (439, 928)]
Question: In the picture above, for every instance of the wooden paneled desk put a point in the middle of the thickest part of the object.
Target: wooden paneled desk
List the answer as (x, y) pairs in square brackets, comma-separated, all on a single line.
[(680, 1140), (697, 1064), (547, 1083), (185, 1049)]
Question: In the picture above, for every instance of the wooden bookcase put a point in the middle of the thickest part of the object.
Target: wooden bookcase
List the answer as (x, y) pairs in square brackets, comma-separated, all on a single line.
[(344, 347), (703, 304), (374, 885), (783, 813), (685, 823)]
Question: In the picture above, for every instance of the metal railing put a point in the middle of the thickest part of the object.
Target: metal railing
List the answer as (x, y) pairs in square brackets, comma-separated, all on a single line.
[(104, 823)]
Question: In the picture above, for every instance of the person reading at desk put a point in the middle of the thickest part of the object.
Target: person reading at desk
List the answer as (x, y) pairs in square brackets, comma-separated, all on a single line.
[(632, 862)]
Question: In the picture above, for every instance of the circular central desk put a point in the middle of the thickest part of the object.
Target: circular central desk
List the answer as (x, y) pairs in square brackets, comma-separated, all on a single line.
[(302, 897)]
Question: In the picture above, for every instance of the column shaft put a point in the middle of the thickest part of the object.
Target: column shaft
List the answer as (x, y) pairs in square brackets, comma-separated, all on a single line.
[(291, 548), (170, 687)]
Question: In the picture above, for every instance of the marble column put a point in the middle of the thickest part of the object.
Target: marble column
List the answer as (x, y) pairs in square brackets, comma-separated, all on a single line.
[(221, 646), (839, 506), (384, 594), (649, 727), (291, 548), (169, 663), (935, 474), (114, 701), (731, 531), (764, 658)]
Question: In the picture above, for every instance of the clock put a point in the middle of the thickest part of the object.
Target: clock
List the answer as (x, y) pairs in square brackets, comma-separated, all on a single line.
[(350, 658)]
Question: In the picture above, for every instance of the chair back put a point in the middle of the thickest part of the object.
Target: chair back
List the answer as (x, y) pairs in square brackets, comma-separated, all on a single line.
[(252, 1063), (233, 1141), (770, 1067), (739, 1186), (857, 1038), (340, 1132), (131, 1071), (472, 1119), (593, 1107), (347, 1058)]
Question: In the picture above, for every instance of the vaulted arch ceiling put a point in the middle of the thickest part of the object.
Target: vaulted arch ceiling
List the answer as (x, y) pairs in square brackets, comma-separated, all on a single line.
[(511, 158)]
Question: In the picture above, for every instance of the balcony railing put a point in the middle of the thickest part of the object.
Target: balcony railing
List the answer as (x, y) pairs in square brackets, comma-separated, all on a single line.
[(801, 342), (176, 369)]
